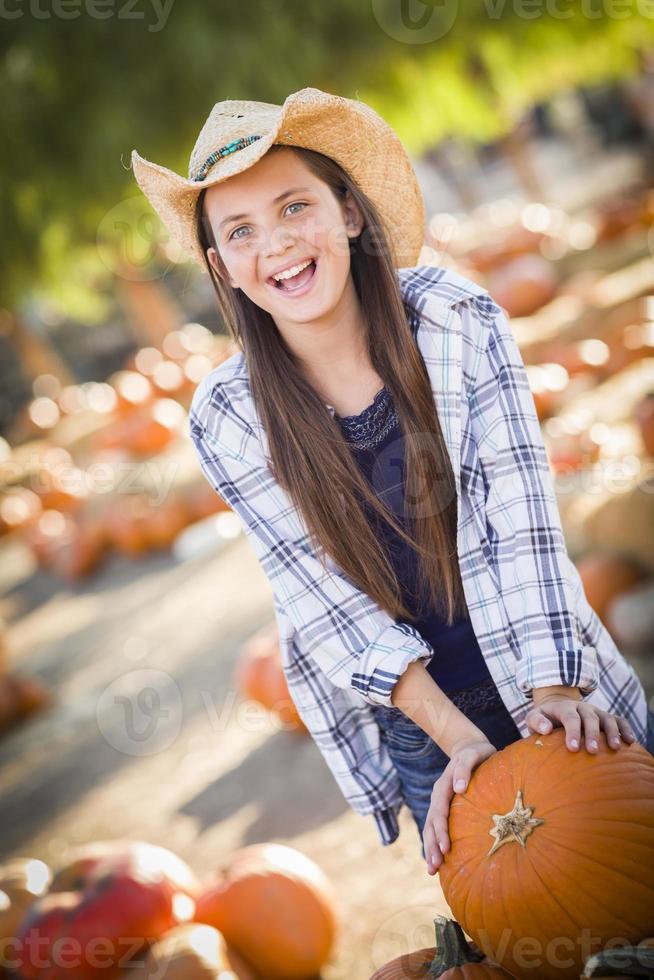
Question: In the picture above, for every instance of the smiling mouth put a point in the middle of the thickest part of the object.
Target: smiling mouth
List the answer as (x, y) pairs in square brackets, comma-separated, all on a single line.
[(295, 282)]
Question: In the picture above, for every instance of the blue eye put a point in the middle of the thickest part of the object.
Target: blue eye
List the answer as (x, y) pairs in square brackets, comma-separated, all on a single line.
[(301, 204)]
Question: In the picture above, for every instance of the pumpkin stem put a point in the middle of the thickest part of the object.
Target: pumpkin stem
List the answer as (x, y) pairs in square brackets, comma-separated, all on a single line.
[(621, 961), (452, 947), (516, 825)]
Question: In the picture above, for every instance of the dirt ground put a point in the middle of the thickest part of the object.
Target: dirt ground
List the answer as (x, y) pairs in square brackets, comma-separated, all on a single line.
[(187, 767)]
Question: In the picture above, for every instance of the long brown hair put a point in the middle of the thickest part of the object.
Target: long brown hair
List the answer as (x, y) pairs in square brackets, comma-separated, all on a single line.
[(311, 459)]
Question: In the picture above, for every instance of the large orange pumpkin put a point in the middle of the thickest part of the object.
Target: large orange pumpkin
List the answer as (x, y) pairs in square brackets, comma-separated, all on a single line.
[(277, 908), (552, 853)]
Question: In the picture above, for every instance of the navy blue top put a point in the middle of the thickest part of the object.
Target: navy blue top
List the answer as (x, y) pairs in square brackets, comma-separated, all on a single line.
[(375, 439)]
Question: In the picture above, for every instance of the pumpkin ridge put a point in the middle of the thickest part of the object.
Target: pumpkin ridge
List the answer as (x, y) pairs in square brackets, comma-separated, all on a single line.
[(613, 871), (578, 839), (549, 890), (605, 762), (634, 758), (575, 884), (534, 918), (616, 799)]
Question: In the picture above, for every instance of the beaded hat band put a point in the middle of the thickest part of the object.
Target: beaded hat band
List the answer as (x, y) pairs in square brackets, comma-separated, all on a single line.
[(222, 152), (237, 133)]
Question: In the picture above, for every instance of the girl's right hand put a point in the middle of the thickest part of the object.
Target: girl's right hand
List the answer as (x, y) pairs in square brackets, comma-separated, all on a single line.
[(465, 757)]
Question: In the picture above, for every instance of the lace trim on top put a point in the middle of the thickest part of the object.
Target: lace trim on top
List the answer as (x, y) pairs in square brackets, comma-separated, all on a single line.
[(369, 427), (482, 696)]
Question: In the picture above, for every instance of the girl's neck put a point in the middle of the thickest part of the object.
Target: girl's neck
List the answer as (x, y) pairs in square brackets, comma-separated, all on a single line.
[(334, 357)]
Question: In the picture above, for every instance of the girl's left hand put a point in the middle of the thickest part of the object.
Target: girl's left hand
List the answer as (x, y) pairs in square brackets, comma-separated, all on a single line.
[(557, 709)]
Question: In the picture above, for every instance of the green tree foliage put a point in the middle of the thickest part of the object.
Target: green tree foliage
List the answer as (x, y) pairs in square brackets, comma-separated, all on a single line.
[(85, 81)]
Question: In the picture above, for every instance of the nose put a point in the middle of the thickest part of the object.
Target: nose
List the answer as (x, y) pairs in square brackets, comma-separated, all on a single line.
[(279, 239)]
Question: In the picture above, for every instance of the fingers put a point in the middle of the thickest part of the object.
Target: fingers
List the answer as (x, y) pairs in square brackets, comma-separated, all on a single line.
[(581, 716), (616, 729), (538, 721), (565, 713), (435, 835), (612, 730), (625, 729), (591, 724)]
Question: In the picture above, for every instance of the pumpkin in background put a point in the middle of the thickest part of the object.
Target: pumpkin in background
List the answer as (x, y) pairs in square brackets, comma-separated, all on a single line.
[(21, 882), (71, 547), (61, 489), (277, 908), (630, 616), (165, 520), (126, 518), (191, 951), (108, 899), (452, 958), (644, 415), (619, 215), (151, 430), (133, 391), (605, 576), (202, 500), (259, 676), (523, 285), (20, 696), (554, 850), (20, 507)]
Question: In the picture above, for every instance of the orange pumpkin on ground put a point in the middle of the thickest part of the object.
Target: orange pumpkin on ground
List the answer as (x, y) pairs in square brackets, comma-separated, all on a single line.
[(552, 853), (259, 676), (20, 696), (133, 391), (21, 882), (523, 284), (165, 521), (452, 958), (644, 415), (202, 500), (191, 951), (110, 899), (19, 509), (277, 908), (605, 576), (126, 519)]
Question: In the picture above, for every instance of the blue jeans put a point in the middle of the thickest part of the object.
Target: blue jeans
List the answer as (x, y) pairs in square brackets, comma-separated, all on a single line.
[(418, 759)]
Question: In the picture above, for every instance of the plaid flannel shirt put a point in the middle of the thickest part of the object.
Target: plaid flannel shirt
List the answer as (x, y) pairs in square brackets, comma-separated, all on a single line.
[(341, 653)]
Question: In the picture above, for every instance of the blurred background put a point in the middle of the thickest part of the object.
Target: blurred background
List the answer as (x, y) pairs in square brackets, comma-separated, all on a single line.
[(141, 697)]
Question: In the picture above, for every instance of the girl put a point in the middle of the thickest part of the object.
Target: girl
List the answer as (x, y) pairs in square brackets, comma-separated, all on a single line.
[(377, 436)]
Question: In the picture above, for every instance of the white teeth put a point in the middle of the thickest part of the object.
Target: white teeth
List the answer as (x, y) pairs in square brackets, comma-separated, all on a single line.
[(288, 273)]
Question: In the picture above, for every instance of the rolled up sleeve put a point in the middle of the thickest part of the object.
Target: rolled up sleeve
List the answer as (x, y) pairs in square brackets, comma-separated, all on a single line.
[(354, 642), (535, 575)]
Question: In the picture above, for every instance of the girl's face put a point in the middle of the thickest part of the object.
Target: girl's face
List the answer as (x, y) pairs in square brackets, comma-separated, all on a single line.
[(273, 217)]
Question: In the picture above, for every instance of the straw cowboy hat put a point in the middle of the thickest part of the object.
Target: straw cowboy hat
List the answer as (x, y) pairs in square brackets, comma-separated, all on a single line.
[(238, 133)]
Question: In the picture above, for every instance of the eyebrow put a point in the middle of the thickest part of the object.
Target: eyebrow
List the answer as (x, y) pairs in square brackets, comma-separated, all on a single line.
[(280, 197)]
